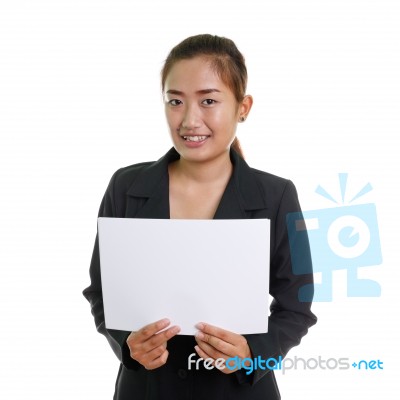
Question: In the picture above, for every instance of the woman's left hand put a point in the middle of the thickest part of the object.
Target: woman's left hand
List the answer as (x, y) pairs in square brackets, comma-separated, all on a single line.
[(214, 343)]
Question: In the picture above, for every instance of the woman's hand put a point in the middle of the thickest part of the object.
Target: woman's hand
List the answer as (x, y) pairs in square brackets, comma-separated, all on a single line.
[(214, 343), (148, 346)]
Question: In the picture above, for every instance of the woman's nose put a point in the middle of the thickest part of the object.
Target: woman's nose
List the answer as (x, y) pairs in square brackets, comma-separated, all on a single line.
[(191, 119)]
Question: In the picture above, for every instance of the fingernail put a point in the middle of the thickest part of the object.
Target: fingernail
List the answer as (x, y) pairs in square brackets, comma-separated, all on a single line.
[(200, 335), (176, 329), (200, 325)]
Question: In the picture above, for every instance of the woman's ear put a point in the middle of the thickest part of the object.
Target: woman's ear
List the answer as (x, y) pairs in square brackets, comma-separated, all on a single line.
[(245, 107)]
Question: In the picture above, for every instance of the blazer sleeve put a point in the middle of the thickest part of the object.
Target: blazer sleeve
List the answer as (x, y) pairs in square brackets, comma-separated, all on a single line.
[(290, 318), (93, 293)]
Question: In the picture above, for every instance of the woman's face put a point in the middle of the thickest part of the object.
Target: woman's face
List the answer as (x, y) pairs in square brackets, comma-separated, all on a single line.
[(202, 112)]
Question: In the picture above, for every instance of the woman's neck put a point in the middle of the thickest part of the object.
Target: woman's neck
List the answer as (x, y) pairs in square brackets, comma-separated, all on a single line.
[(207, 172)]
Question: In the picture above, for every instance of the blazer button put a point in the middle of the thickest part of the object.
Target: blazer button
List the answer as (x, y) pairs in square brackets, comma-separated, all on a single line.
[(182, 373)]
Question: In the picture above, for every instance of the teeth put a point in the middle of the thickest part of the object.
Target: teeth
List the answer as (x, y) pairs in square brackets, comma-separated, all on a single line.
[(195, 138)]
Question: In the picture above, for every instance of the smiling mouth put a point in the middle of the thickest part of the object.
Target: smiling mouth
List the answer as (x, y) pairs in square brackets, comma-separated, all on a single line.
[(195, 138)]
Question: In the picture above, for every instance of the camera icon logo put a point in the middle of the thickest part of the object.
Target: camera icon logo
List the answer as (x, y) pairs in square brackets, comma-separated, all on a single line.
[(338, 238)]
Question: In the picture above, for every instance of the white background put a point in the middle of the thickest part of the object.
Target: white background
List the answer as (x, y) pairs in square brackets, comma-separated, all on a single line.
[(80, 97)]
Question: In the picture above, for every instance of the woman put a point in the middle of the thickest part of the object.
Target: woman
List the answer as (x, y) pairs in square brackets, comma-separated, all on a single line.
[(204, 176)]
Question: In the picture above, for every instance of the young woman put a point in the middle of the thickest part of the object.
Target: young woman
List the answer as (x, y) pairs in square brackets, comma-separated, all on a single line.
[(204, 176)]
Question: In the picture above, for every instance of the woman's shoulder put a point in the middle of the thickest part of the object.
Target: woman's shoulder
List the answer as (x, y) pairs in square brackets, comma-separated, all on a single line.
[(123, 178), (145, 170), (275, 185), (269, 178), (130, 171), (270, 181)]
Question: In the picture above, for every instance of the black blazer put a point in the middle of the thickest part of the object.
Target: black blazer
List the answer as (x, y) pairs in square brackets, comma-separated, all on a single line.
[(142, 191)]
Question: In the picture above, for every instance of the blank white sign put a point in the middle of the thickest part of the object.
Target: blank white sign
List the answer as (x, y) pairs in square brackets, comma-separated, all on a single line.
[(190, 271)]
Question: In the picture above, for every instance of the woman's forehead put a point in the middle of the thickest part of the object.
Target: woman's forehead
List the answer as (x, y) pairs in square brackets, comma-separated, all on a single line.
[(195, 74)]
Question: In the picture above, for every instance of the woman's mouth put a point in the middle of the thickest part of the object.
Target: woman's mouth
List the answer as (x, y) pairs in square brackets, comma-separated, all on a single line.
[(195, 138)]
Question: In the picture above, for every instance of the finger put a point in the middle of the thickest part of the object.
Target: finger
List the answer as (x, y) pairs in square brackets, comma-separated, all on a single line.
[(217, 343), (138, 353), (138, 343), (211, 351), (226, 336), (151, 329), (206, 356), (146, 358), (158, 362), (159, 339), (203, 354)]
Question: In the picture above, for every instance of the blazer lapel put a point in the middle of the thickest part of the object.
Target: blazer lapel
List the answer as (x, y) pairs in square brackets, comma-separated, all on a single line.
[(148, 196), (230, 206), (243, 195)]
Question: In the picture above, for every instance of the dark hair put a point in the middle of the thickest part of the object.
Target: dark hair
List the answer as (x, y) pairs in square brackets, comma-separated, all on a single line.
[(225, 59)]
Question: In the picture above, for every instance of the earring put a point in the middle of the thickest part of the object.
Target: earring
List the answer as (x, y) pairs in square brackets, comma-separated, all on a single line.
[(242, 119)]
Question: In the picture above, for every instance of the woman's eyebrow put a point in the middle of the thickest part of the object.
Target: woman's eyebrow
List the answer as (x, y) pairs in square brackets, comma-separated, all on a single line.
[(206, 91), (202, 91)]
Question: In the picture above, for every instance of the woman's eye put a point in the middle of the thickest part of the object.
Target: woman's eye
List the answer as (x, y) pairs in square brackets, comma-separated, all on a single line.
[(174, 102), (208, 102)]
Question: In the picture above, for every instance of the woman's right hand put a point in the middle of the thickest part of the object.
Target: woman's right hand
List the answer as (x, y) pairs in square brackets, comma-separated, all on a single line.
[(148, 346)]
